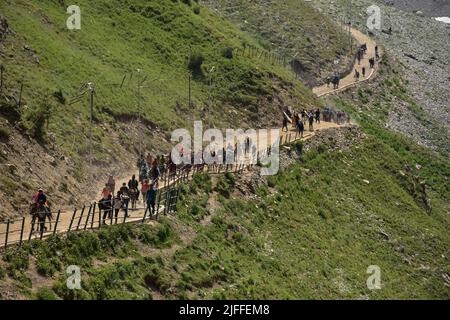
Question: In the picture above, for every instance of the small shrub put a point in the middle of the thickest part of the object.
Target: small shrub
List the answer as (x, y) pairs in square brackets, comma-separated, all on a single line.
[(47, 267), (195, 62), (59, 95), (18, 261), (155, 279), (271, 182), (298, 146), (4, 133), (45, 294), (37, 119), (228, 53), (8, 185)]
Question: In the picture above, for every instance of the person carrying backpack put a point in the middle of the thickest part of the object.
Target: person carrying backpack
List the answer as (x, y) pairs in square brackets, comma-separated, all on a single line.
[(311, 121), (300, 128), (151, 199), (318, 116), (285, 124)]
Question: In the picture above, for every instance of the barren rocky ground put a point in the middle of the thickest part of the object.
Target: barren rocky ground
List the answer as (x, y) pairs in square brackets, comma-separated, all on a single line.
[(422, 45)]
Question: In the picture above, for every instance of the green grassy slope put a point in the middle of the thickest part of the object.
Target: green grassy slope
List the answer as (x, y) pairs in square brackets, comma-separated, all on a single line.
[(311, 232), (117, 37), (293, 29)]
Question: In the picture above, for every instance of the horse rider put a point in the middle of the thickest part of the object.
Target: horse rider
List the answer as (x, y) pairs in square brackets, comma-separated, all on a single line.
[(39, 202), (39, 197)]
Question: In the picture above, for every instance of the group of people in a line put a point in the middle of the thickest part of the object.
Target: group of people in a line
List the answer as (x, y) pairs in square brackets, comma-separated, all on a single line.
[(112, 202), (299, 120), (359, 72)]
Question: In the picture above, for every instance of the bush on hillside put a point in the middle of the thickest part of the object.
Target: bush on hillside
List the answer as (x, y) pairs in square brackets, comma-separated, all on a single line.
[(195, 63), (4, 133), (38, 118), (228, 53)]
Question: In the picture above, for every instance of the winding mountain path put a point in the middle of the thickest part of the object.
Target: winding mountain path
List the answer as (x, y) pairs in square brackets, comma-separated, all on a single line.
[(349, 80), (12, 234)]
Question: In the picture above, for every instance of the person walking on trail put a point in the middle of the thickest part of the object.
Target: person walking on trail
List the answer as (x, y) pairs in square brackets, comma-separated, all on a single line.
[(133, 183), (106, 191), (285, 124), (149, 160), (118, 204), (125, 196), (111, 184), (144, 189), (359, 56), (364, 72), (304, 116), (372, 63), (295, 120), (300, 128), (328, 81), (151, 199), (311, 121), (376, 50), (318, 116), (141, 161), (106, 205), (356, 74)]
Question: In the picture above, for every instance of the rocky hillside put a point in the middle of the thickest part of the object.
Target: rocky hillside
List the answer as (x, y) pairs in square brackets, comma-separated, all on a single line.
[(421, 44), (293, 29), (434, 8)]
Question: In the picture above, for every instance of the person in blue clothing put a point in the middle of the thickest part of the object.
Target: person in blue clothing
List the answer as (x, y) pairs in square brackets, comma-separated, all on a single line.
[(151, 199), (300, 128)]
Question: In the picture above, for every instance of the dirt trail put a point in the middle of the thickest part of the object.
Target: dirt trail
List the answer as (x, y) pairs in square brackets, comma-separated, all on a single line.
[(90, 221), (349, 80)]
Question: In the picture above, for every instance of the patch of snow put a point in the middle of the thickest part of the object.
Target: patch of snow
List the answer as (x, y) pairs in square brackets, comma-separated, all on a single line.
[(443, 19)]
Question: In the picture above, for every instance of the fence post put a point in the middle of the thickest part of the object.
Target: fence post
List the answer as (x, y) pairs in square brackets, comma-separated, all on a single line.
[(21, 231), (71, 220), (88, 216), (56, 223), (93, 216), (99, 217), (81, 216), (42, 227), (126, 213), (33, 222), (145, 215), (7, 233), (112, 215), (159, 200)]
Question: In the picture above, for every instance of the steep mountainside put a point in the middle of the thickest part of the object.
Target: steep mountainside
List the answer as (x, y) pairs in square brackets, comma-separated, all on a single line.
[(422, 46), (294, 29), (45, 64)]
